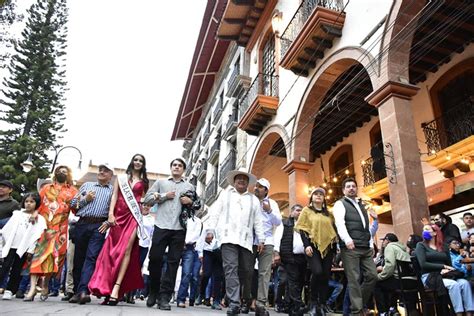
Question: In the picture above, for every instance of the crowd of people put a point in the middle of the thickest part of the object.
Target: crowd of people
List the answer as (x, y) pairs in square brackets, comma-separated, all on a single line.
[(124, 241)]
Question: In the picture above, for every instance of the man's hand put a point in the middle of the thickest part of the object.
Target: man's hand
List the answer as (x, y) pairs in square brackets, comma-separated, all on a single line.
[(350, 245), (103, 228), (260, 247), (209, 238), (372, 213), (90, 196), (266, 206), (309, 251), (185, 200), (170, 195)]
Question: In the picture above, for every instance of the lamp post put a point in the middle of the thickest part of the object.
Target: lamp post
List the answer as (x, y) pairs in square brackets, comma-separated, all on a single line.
[(28, 163)]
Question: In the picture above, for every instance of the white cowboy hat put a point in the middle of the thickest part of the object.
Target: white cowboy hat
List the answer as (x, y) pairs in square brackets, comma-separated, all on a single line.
[(232, 174)]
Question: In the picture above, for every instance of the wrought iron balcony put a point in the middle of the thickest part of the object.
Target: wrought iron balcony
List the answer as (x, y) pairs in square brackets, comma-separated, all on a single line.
[(259, 104), (214, 153), (211, 190), (202, 170), (369, 174), (206, 134), (449, 129), (193, 181), (231, 125), (311, 30), (237, 83), (217, 111), (227, 165)]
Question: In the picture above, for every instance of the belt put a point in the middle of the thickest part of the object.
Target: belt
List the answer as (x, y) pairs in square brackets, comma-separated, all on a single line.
[(92, 220)]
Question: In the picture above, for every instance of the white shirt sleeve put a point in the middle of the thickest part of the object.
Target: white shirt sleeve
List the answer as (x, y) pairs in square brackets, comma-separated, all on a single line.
[(278, 235), (214, 212), (339, 212)]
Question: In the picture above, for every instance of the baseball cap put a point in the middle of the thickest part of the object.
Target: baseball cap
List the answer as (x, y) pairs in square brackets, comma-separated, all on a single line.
[(6, 183), (264, 183), (107, 165), (390, 237)]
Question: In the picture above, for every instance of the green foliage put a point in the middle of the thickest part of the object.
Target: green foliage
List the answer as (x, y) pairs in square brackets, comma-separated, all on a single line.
[(33, 98)]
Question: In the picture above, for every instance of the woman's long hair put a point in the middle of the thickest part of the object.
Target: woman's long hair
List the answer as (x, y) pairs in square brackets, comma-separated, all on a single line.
[(142, 171), (324, 208), (69, 174)]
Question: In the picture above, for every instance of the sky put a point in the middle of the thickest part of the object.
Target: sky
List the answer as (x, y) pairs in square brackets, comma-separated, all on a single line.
[(127, 66)]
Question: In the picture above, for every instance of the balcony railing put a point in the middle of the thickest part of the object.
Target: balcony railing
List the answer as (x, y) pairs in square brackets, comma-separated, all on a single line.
[(206, 135), (211, 190), (302, 15), (231, 124), (193, 181), (369, 174), (454, 126), (263, 84), (233, 77), (201, 171), (214, 153), (217, 111), (226, 166)]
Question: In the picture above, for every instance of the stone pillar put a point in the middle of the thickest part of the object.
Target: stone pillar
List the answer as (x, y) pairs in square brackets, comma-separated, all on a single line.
[(297, 181), (408, 195)]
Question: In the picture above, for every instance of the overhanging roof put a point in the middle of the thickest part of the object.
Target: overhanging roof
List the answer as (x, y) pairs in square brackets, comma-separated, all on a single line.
[(207, 59)]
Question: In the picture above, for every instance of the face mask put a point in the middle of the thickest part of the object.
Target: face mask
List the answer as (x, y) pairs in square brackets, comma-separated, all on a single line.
[(427, 235), (61, 177)]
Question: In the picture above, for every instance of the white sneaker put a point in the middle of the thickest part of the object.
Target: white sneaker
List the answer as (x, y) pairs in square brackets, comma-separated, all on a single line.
[(7, 295)]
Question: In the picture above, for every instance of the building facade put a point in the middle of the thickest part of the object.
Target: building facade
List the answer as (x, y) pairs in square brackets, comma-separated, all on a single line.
[(306, 93)]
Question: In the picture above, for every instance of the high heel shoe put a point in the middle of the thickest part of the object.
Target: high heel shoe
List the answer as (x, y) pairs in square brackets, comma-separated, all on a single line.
[(29, 298), (44, 294), (113, 301)]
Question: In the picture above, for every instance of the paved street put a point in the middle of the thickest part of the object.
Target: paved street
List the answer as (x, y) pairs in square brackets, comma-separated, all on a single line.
[(54, 306)]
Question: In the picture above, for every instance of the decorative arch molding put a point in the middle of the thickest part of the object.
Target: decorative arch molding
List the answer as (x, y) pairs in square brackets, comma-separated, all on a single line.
[(344, 149), (321, 81), (268, 138), (280, 196), (455, 71), (397, 40)]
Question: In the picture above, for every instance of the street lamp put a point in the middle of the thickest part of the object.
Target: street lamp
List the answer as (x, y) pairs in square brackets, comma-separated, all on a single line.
[(28, 163)]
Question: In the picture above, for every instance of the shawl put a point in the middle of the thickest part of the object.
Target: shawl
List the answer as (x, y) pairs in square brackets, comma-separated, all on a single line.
[(319, 227)]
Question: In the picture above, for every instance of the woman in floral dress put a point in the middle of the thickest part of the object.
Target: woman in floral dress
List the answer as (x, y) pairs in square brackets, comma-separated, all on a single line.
[(50, 252)]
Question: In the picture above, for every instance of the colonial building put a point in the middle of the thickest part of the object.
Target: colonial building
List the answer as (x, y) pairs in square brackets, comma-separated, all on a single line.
[(306, 93)]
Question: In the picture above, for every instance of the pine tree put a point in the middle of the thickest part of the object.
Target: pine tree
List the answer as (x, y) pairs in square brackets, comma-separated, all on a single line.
[(33, 99), (8, 16)]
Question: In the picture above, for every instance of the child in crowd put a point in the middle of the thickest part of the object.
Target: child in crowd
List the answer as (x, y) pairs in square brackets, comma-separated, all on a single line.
[(20, 235)]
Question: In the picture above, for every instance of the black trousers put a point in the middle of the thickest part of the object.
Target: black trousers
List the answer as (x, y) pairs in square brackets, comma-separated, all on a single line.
[(212, 266), (296, 272), (384, 294), (174, 240), (12, 265), (320, 274)]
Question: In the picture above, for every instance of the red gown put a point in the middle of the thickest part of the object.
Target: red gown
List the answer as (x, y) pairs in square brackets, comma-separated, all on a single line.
[(108, 263)]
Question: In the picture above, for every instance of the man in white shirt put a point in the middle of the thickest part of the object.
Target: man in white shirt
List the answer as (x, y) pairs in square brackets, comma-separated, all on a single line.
[(356, 242), (271, 218), (289, 249), (234, 219)]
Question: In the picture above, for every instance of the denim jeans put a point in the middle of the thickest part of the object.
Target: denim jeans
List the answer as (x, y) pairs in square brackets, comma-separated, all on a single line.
[(3, 222), (189, 275), (88, 242), (460, 293), (337, 286)]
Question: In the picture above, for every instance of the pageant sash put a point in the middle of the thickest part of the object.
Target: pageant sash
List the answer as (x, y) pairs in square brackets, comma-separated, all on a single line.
[(132, 205)]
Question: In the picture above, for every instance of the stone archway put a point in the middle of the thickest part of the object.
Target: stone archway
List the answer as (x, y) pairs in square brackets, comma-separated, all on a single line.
[(321, 82), (268, 160)]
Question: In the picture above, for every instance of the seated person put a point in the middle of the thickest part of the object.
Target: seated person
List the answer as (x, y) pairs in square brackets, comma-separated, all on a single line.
[(388, 276), (433, 261)]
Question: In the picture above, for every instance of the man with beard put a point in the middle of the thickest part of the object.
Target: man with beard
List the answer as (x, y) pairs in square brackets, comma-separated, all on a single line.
[(450, 231)]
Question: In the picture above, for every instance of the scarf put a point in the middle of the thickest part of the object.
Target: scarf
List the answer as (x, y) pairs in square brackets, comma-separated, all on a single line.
[(319, 227)]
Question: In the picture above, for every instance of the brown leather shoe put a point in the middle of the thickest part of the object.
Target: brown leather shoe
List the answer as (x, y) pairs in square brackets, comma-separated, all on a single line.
[(84, 298), (75, 298)]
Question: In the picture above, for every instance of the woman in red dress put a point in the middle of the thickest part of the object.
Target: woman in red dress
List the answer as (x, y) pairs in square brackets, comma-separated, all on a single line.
[(119, 256)]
